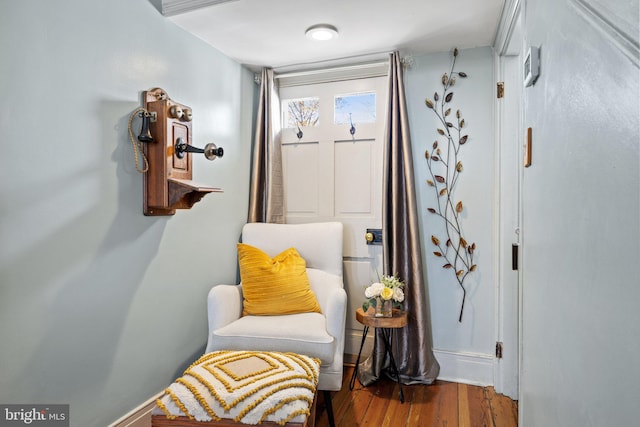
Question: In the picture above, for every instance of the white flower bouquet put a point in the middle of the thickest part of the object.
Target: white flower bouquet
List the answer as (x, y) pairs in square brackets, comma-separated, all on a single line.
[(388, 291)]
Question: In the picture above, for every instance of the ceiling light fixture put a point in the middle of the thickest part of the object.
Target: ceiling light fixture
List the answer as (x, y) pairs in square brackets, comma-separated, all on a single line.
[(322, 32)]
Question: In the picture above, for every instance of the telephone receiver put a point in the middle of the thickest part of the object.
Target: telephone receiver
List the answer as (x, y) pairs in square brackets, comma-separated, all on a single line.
[(176, 111), (145, 132)]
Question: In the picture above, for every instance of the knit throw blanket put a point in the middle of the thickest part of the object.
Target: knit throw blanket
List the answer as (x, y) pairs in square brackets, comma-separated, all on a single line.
[(247, 386)]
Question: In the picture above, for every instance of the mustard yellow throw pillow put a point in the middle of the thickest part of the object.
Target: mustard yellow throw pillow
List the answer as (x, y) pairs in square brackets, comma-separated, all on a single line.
[(274, 286)]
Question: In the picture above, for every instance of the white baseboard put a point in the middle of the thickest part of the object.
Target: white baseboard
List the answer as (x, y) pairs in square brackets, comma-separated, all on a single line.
[(352, 342), (465, 368), (139, 416), (459, 367)]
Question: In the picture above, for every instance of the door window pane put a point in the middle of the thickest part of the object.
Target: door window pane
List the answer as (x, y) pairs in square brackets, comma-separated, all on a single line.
[(355, 108), (301, 112)]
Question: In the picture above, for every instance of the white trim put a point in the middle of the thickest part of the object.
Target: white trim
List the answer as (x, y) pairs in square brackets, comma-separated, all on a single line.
[(139, 416), (508, 18), (497, 216), (352, 343), (507, 320), (465, 368), (334, 63), (334, 74), (347, 68), (176, 7)]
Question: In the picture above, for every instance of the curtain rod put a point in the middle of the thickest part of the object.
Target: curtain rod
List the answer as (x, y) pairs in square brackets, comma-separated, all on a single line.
[(345, 68), (375, 67)]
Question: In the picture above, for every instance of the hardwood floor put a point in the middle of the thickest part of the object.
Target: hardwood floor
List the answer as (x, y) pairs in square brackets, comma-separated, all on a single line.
[(442, 404)]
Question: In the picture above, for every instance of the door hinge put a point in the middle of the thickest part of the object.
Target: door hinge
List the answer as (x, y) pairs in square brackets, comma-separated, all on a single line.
[(500, 90), (499, 350)]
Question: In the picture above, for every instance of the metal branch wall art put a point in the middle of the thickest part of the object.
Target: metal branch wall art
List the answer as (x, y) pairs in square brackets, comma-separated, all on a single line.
[(445, 168)]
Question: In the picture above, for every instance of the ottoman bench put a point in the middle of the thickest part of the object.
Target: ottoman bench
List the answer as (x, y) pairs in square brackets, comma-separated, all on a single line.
[(229, 388)]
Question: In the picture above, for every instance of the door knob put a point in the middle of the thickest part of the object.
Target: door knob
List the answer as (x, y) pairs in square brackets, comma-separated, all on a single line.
[(373, 236)]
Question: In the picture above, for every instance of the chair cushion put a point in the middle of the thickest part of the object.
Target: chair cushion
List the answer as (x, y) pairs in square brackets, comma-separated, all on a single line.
[(274, 286), (303, 333)]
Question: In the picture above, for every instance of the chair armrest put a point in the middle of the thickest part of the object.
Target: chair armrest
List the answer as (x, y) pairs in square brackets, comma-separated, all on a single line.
[(224, 305), (336, 312)]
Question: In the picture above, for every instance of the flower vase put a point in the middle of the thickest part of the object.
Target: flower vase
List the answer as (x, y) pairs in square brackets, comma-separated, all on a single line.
[(384, 308)]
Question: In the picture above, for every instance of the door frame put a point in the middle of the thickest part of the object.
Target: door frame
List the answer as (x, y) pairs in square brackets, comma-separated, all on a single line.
[(362, 262), (508, 49)]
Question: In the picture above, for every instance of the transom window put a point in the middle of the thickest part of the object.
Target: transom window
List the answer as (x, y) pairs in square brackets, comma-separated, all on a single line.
[(348, 109), (355, 108), (301, 112)]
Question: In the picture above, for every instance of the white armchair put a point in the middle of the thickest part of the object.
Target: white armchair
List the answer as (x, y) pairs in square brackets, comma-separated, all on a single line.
[(318, 335)]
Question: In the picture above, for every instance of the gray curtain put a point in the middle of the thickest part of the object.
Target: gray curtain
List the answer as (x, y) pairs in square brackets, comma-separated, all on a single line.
[(266, 198), (401, 250)]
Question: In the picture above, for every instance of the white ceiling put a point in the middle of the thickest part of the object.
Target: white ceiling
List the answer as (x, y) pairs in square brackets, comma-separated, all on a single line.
[(271, 33)]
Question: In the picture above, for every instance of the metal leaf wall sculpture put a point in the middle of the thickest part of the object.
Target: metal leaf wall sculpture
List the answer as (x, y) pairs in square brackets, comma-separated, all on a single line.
[(445, 168)]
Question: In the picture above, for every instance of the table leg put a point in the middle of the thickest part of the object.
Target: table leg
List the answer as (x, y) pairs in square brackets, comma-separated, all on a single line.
[(387, 334), (398, 378), (354, 375)]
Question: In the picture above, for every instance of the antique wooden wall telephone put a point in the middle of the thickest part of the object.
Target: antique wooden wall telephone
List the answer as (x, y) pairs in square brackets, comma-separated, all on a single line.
[(164, 143)]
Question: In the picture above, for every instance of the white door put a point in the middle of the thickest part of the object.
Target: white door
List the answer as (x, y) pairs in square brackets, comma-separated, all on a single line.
[(332, 174)]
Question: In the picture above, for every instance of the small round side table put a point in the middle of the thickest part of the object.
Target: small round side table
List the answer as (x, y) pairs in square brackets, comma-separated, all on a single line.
[(388, 325)]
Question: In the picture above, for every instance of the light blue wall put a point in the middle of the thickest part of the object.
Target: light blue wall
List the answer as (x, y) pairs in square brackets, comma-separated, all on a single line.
[(581, 229), (473, 97), (100, 306)]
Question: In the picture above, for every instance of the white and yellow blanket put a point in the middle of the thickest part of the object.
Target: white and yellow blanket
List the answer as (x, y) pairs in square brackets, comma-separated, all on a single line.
[(247, 386)]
